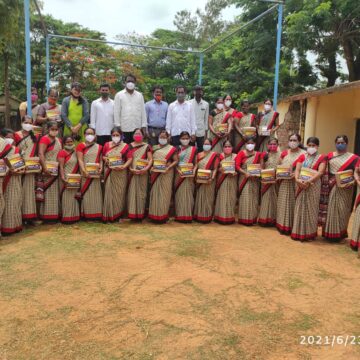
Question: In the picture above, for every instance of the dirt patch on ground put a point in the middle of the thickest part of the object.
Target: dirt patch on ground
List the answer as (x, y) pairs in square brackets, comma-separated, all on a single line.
[(141, 291)]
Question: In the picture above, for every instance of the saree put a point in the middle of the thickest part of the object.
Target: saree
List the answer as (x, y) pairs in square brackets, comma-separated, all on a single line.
[(248, 189), (5, 149), (242, 120), (28, 149), (49, 208), (267, 120), (115, 183), (184, 188), (307, 203), (218, 118), (91, 194), (161, 185), (340, 199), (205, 193), (11, 218), (226, 189), (269, 192), (138, 184), (286, 195), (355, 233), (70, 209)]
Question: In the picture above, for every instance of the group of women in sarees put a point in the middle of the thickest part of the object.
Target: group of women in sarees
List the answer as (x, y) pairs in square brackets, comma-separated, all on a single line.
[(137, 187)]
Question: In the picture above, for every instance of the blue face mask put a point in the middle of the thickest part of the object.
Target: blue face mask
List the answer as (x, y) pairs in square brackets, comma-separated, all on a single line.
[(341, 147)]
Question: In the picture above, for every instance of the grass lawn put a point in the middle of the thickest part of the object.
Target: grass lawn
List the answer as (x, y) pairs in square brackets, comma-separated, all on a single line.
[(144, 291)]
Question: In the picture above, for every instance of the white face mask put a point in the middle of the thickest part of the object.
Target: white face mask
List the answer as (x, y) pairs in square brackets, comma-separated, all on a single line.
[(90, 138), (228, 103), (250, 147), (162, 141), (9, 141), (185, 142), (116, 139), (27, 127), (130, 85), (207, 147), (267, 107), (311, 150), (293, 144), (220, 106)]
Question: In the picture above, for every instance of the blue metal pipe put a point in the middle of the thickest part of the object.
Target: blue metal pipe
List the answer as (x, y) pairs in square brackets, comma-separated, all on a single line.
[(27, 55), (47, 40), (278, 48), (201, 68)]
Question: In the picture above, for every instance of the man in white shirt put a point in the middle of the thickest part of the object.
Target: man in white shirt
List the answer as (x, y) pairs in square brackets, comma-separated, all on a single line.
[(201, 108), (180, 117), (102, 115), (129, 109)]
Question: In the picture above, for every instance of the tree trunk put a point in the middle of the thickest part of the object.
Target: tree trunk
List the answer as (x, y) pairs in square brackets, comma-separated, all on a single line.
[(349, 57), (7, 90), (332, 71)]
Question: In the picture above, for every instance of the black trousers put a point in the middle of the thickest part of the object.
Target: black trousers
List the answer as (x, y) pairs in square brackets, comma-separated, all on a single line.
[(200, 143), (175, 140), (103, 139), (128, 137)]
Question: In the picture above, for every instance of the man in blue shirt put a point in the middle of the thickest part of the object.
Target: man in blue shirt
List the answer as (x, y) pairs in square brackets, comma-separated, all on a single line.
[(156, 111)]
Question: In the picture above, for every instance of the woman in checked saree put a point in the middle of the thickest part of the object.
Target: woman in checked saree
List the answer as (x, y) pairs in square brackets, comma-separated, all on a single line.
[(308, 173), (166, 158), (220, 126), (89, 152), (249, 183), (205, 192), (340, 198), (116, 176), (28, 144), (226, 187), (68, 165), (49, 147), (140, 154), (184, 186)]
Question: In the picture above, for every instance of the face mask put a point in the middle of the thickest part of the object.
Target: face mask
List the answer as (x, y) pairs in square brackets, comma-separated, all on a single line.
[(311, 150), (158, 98), (341, 147), (293, 144), (227, 150), (27, 127), (180, 97), (104, 95), (162, 141), (272, 148), (185, 142), (9, 141), (228, 103), (89, 138), (34, 98), (130, 85), (53, 133), (51, 101), (69, 147), (250, 147), (220, 106), (267, 107), (207, 147), (138, 138), (116, 139)]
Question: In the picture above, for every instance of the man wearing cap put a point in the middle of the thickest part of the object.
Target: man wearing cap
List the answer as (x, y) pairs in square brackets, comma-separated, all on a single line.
[(201, 108), (75, 113)]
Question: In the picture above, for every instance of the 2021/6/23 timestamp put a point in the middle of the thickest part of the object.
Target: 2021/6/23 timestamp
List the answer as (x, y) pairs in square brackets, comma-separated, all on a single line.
[(330, 340)]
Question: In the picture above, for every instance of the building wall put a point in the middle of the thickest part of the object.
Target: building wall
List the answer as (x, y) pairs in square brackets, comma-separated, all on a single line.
[(333, 114)]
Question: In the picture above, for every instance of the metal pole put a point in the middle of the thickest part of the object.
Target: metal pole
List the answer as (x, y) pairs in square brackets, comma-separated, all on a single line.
[(201, 67), (47, 63), (27, 55), (278, 47)]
